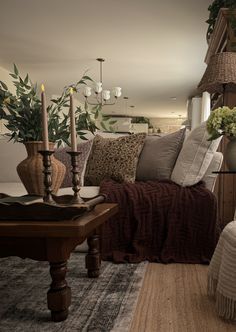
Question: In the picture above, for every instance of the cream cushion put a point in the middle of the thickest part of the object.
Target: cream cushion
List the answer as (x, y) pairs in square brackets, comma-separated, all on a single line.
[(195, 157)]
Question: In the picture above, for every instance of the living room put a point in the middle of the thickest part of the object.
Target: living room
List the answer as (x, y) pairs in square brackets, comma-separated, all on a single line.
[(118, 223)]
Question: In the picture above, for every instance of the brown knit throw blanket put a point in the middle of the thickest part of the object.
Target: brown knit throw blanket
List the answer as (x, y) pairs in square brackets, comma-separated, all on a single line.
[(159, 221)]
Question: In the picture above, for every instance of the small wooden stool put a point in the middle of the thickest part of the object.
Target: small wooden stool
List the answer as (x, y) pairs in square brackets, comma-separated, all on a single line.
[(222, 273)]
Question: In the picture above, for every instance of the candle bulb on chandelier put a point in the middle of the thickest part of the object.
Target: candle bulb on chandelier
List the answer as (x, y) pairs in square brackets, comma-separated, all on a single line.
[(87, 91), (106, 95), (98, 87), (72, 123), (44, 120), (117, 92)]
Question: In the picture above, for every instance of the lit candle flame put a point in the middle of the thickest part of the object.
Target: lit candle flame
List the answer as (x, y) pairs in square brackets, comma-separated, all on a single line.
[(71, 91), (42, 88)]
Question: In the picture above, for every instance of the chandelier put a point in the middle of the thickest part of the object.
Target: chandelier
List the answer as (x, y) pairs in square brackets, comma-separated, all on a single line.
[(102, 96)]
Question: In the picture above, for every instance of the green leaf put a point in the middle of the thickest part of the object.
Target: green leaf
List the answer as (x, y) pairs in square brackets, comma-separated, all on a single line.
[(81, 82), (111, 129), (83, 138), (4, 85), (87, 78), (103, 125), (105, 118), (16, 70), (26, 80), (13, 75), (96, 115), (54, 101), (112, 122), (2, 114), (94, 108)]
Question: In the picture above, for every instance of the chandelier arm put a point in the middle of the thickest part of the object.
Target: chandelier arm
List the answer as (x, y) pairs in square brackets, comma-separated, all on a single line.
[(110, 103), (99, 103), (92, 104)]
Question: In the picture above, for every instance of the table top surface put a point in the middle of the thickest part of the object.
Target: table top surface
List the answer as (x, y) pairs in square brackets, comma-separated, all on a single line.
[(79, 227)]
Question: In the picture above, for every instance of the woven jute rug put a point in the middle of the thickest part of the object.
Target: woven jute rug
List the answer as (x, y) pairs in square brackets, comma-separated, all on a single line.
[(103, 304)]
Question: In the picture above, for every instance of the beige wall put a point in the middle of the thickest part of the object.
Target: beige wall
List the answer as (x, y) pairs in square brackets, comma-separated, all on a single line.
[(167, 125), (4, 76)]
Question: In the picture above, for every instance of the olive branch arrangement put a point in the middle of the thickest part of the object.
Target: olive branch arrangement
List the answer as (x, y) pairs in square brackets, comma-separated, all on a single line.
[(22, 112)]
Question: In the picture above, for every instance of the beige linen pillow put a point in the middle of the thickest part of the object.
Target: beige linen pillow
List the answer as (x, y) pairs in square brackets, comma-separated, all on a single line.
[(195, 157), (113, 158), (159, 155)]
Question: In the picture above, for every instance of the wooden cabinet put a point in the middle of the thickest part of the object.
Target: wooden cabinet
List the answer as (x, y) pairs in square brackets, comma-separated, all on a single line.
[(223, 39)]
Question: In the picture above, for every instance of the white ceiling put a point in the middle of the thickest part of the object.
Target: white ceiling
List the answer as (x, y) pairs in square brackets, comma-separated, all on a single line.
[(153, 49)]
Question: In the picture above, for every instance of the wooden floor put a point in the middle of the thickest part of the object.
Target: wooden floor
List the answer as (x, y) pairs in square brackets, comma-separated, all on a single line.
[(173, 299)]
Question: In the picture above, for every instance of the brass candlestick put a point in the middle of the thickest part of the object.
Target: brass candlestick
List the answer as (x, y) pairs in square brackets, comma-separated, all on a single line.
[(75, 177), (47, 198)]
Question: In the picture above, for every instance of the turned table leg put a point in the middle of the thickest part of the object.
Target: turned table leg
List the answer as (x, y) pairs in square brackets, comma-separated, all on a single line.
[(59, 294), (93, 258)]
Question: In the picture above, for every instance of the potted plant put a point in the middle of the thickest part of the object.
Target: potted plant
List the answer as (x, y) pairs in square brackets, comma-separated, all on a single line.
[(214, 9), (21, 112), (222, 121)]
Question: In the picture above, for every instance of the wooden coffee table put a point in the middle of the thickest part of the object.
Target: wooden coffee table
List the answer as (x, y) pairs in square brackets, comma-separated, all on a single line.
[(53, 241)]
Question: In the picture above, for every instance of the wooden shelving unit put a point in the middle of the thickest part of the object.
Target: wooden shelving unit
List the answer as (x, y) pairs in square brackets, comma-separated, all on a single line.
[(223, 39)]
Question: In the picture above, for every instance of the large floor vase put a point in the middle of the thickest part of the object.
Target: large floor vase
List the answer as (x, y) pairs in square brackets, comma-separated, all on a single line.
[(230, 154), (30, 170)]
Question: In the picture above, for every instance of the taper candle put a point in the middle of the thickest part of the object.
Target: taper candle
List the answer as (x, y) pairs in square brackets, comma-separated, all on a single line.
[(44, 120), (72, 123)]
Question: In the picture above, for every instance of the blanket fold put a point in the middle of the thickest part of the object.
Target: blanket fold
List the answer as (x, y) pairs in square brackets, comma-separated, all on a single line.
[(159, 221)]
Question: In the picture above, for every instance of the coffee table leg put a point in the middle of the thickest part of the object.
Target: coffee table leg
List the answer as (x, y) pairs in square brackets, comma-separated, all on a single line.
[(59, 294), (93, 258)]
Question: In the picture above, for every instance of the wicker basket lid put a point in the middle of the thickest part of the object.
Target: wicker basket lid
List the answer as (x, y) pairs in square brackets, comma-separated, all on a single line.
[(220, 71)]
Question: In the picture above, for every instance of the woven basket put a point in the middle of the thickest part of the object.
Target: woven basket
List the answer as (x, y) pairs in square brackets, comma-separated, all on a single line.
[(220, 71), (30, 170)]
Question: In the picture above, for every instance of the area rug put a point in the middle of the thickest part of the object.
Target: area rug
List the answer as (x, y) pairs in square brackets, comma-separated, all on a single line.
[(103, 304)]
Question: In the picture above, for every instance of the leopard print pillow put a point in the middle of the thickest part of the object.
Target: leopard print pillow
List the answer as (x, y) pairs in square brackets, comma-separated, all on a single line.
[(114, 159)]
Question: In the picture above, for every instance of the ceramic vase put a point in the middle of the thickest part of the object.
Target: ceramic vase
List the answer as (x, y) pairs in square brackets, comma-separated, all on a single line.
[(30, 170), (230, 154)]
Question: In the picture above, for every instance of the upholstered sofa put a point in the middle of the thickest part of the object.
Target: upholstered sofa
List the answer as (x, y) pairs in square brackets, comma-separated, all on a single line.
[(180, 158), (14, 153)]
